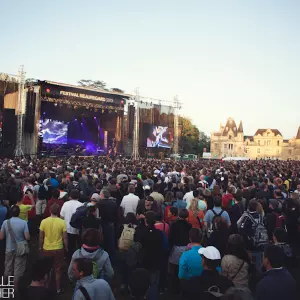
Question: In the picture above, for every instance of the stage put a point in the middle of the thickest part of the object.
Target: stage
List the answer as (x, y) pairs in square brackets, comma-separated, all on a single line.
[(70, 120)]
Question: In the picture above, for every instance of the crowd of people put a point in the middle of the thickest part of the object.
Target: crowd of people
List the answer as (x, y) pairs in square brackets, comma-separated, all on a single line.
[(155, 229)]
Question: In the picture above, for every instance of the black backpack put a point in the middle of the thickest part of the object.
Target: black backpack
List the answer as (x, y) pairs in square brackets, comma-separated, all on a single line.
[(42, 194), (215, 216), (78, 216)]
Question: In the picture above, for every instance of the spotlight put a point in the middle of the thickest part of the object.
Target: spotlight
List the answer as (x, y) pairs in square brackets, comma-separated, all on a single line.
[(48, 91), (75, 120), (44, 113), (95, 118), (55, 104), (122, 101), (81, 123)]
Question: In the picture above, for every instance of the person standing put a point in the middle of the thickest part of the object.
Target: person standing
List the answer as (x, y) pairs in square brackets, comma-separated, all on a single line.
[(54, 200), (152, 241), (3, 216), (108, 213), (66, 213), (130, 202), (53, 240), (15, 230), (88, 287), (278, 283), (25, 208)]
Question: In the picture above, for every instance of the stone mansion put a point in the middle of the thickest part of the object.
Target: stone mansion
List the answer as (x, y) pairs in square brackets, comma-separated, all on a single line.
[(230, 141)]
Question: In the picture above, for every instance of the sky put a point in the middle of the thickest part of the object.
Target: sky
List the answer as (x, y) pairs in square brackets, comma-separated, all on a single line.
[(223, 58)]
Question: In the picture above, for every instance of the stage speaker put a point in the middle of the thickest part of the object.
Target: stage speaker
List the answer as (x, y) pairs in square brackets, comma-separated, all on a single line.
[(131, 112), (30, 111), (9, 127), (9, 133)]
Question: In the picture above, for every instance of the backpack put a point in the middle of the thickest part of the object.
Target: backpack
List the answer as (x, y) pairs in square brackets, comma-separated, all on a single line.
[(215, 216), (213, 292), (78, 216), (127, 237), (96, 272), (280, 220), (260, 236), (42, 193)]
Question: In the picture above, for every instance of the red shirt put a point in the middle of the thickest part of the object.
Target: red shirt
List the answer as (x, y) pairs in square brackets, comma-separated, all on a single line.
[(225, 200), (50, 203)]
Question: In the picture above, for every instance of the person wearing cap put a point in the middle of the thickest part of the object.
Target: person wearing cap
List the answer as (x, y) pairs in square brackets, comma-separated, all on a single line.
[(210, 282)]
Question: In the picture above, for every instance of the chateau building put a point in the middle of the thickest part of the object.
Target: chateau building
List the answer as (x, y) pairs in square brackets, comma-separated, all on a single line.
[(230, 141)]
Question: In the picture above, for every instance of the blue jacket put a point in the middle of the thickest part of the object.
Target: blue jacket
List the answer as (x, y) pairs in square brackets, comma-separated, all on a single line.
[(277, 284), (100, 257), (96, 288)]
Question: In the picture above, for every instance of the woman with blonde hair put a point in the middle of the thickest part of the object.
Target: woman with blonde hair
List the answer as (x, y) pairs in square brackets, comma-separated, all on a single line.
[(196, 216)]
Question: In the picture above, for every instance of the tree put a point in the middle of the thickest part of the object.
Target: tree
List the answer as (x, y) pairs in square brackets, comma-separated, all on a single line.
[(95, 84), (188, 137), (204, 143), (116, 90)]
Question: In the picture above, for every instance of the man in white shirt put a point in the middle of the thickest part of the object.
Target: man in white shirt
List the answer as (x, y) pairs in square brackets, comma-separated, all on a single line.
[(188, 197), (130, 202), (298, 189), (66, 213)]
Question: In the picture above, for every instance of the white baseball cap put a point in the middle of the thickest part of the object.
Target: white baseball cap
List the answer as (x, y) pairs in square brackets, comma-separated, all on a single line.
[(210, 252)]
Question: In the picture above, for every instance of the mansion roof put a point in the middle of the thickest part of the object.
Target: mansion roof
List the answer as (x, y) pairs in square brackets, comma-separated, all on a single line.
[(262, 131)]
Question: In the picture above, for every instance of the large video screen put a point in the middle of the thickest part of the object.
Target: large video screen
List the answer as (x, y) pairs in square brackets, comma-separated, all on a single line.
[(160, 137), (54, 132)]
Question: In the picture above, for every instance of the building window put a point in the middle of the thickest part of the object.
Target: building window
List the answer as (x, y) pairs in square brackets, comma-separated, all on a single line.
[(277, 151), (258, 142), (229, 137), (268, 142), (278, 143), (258, 150), (225, 146), (290, 152)]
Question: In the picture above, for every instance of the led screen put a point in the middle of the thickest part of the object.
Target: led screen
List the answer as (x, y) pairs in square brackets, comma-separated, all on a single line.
[(159, 137), (54, 132)]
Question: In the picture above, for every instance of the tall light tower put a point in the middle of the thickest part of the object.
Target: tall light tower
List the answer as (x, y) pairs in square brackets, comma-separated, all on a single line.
[(135, 153), (19, 138), (176, 129)]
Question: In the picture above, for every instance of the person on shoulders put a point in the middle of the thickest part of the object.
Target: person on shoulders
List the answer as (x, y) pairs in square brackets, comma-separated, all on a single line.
[(277, 283), (89, 287)]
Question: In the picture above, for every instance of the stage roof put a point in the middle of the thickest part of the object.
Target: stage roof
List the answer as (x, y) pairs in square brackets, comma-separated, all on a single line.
[(85, 88)]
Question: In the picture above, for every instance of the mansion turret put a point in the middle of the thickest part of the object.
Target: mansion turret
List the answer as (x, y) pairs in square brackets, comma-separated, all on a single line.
[(230, 141)]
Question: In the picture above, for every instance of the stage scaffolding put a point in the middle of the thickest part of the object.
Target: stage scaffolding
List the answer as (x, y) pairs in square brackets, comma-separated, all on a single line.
[(175, 104)]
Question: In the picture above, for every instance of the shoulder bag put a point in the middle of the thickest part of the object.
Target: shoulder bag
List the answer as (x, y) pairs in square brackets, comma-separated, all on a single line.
[(21, 248)]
